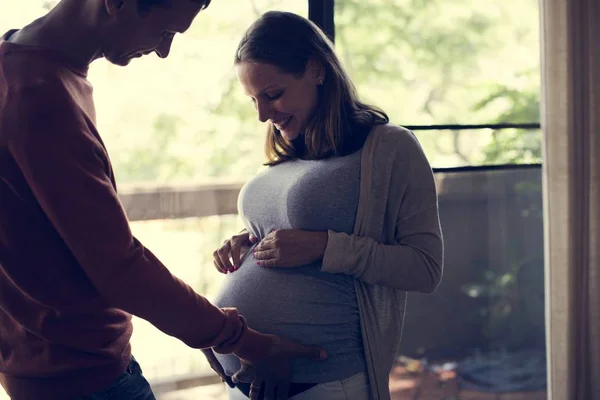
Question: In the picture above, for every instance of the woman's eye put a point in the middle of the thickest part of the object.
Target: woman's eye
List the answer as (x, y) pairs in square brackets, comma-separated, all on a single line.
[(274, 96)]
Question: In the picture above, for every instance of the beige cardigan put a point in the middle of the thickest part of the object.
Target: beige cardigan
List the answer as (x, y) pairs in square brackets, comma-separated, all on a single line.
[(396, 247)]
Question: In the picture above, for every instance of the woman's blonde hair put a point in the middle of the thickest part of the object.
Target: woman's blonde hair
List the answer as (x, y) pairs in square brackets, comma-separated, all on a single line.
[(288, 42)]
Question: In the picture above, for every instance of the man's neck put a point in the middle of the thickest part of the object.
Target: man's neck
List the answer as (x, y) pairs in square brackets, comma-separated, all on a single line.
[(67, 29)]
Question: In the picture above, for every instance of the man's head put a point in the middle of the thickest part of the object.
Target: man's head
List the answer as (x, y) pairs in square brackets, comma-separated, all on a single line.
[(133, 28)]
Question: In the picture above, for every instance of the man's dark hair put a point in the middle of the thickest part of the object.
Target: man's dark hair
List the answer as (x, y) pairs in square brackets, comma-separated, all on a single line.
[(146, 5)]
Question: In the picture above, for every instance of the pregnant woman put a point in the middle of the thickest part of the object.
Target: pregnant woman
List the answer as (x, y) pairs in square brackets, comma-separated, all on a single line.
[(342, 223)]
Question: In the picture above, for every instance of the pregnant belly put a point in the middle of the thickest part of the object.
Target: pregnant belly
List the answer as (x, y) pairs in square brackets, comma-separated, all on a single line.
[(302, 304)]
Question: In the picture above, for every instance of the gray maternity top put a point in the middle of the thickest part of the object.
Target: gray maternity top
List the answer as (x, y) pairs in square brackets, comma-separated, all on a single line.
[(302, 304)]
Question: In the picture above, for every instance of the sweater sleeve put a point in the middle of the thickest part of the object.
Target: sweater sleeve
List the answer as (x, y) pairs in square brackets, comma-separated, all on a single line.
[(68, 171), (414, 262)]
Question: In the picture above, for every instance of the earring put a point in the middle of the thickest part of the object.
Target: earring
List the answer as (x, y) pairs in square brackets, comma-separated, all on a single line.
[(321, 82)]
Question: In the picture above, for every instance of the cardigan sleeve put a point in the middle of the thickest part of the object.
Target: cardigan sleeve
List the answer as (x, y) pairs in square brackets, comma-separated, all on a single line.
[(414, 261)]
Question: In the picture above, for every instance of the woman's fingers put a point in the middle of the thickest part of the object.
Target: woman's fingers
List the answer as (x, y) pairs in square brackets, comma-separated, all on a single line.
[(224, 253), (221, 258), (266, 254), (218, 265), (228, 257), (265, 244), (236, 247), (217, 261)]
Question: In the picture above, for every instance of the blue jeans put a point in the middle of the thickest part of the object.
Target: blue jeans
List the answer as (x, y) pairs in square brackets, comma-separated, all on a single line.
[(130, 386), (355, 387)]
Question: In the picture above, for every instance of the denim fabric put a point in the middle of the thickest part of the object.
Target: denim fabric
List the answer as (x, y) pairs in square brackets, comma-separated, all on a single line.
[(130, 386), (354, 388)]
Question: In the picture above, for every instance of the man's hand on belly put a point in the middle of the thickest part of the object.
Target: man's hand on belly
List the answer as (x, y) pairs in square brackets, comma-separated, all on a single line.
[(216, 366), (290, 248), (270, 377)]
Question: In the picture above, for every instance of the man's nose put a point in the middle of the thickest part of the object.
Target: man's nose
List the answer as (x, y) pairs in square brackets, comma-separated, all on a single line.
[(164, 48)]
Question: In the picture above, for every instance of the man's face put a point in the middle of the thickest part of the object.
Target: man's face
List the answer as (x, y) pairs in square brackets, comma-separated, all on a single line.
[(131, 34)]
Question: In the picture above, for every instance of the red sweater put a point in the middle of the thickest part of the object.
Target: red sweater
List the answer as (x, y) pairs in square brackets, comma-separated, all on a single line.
[(71, 273)]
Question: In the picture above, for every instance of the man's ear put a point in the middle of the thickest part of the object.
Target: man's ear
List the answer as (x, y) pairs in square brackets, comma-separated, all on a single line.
[(114, 6)]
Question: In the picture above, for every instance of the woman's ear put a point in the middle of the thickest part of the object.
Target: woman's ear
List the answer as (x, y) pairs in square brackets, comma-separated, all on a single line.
[(317, 70)]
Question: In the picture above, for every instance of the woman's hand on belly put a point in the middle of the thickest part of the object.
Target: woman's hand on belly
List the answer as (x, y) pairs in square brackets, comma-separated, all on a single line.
[(289, 248), (227, 257)]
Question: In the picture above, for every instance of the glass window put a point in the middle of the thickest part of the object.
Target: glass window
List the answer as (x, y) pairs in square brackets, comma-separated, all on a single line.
[(481, 335), (448, 62), (185, 121), (457, 62)]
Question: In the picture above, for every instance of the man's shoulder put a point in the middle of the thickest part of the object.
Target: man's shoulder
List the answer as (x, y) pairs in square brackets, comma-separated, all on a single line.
[(31, 87), (27, 73), (36, 105)]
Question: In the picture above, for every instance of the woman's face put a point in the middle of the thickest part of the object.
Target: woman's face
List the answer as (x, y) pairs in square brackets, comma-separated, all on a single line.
[(283, 99)]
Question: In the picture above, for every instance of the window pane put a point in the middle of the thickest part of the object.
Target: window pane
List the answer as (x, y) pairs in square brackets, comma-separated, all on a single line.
[(467, 147), (481, 335), (186, 118), (444, 61)]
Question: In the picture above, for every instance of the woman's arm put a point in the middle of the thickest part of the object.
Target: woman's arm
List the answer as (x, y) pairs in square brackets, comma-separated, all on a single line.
[(412, 257), (413, 264)]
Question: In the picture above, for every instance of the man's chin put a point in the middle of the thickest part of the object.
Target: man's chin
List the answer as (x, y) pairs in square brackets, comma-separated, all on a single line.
[(120, 61)]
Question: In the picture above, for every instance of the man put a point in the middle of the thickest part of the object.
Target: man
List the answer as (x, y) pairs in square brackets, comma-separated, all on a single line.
[(71, 273)]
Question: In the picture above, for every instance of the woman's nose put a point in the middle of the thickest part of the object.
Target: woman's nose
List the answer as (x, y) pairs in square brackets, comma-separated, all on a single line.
[(264, 112)]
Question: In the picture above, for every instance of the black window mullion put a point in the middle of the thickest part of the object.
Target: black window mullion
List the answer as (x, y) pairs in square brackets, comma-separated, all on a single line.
[(321, 13)]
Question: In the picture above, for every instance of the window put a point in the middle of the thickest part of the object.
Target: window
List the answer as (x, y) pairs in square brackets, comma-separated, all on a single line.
[(451, 62), (464, 75)]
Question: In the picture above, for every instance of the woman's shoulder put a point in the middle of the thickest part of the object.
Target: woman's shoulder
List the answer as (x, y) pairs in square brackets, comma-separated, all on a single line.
[(392, 138)]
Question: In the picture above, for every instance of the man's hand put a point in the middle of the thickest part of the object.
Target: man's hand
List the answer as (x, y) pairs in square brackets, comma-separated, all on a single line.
[(270, 377), (227, 257), (216, 366), (290, 248)]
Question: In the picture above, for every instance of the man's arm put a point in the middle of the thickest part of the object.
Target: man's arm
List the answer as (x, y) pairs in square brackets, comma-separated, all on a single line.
[(67, 170)]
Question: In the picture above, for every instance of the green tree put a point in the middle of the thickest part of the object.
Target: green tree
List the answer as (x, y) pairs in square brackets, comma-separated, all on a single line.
[(432, 62)]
